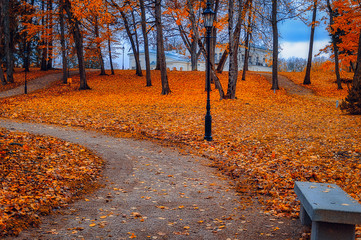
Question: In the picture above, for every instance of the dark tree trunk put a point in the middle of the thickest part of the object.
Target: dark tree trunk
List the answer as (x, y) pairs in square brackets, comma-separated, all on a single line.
[(352, 103), (135, 33), (110, 56), (62, 42), (274, 22), (146, 44), (133, 44), (247, 46), (130, 36), (307, 79), (223, 60), (213, 71), (195, 35), (44, 47), (8, 50), (99, 49), (27, 46), (50, 27), (334, 45), (160, 45), (234, 37), (2, 77), (78, 38)]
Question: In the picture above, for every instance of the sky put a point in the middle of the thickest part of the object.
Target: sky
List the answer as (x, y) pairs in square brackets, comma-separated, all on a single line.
[(295, 37)]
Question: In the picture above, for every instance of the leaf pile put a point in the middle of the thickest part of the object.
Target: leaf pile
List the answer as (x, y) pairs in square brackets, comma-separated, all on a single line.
[(19, 77), (38, 174), (264, 140)]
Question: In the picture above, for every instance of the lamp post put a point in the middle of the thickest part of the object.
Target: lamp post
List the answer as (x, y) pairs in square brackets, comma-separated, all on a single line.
[(208, 15), (26, 82)]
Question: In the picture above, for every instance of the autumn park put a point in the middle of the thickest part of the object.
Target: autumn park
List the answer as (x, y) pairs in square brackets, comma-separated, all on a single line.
[(201, 131)]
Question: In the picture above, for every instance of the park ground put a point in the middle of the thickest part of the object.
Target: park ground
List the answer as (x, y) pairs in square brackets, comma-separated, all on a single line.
[(263, 140)]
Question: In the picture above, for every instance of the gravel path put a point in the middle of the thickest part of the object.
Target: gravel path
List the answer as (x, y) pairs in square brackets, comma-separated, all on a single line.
[(36, 84), (150, 192), (153, 192)]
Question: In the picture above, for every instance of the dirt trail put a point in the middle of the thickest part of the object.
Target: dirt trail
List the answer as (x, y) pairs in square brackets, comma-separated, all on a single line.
[(153, 192), (39, 83), (291, 87)]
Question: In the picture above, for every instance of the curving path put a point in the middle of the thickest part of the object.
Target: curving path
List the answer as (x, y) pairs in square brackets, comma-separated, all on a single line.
[(153, 192)]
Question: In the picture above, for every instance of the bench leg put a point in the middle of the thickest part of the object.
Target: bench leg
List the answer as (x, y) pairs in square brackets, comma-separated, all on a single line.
[(332, 231), (304, 217)]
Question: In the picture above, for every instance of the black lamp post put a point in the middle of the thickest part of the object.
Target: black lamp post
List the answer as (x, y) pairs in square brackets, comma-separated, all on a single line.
[(208, 23), (26, 82)]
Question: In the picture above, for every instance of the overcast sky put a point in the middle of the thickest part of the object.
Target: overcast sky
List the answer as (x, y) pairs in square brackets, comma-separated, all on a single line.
[(295, 37)]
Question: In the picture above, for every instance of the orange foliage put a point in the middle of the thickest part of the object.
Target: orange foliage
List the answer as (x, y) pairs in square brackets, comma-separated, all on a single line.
[(38, 174), (264, 140)]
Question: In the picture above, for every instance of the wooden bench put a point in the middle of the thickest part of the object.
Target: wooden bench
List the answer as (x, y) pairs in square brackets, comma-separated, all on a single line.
[(332, 213)]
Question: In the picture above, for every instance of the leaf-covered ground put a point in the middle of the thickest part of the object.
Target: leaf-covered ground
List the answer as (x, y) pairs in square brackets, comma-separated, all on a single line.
[(38, 174), (19, 77), (264, 140)]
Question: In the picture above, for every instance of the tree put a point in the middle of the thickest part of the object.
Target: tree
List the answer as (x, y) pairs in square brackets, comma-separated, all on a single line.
[(110, 50), (62, 41), (334, 38), (146, 44), (8, 49), (247, 43), (160, 46), (78, 38), (352, 103), (131, 31), (274, 22), (307, 79), (98, 41), (234, 38)]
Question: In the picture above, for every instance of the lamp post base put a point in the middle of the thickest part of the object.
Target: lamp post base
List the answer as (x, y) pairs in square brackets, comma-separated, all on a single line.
[(208, 128)]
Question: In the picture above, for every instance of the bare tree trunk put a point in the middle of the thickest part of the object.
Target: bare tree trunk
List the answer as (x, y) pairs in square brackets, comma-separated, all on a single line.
[(2, 78), (213, 71), (146, 44), (234, 37), (223, 60), (130, 36), (78, 38), (334, 45), (110, 56), (163, 67), (307, 79), (43, 42), (8, 50), (99, 49), (247, 46), (62, 42), (195, 36), (275, 46), (50, 27)]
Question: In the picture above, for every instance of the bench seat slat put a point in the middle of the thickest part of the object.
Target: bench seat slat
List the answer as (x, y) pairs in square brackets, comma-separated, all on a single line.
[(328, 203)]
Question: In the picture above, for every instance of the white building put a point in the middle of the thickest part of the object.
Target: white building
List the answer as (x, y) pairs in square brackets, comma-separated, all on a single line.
[(175, 61), (259, 59)]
